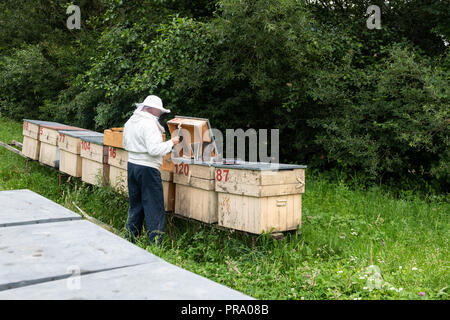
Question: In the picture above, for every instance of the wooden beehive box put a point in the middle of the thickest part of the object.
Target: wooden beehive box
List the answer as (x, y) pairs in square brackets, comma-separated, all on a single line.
[(113, 137), (49, 136), (168, 189), (70, 145), (194, 131), (255, 199), (118, 162), (195, 196), (31, 144), (94, 160)]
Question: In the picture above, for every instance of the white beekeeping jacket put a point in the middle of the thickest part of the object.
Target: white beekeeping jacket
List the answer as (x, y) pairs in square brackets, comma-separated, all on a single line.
[(142, 138)]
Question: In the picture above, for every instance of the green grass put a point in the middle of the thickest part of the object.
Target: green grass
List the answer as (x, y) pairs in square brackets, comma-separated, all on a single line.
[(344, 231)]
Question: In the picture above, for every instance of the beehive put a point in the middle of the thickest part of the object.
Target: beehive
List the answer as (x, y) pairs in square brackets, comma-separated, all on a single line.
[(70, 145), (49, 136), (195, 196), (255, 198), (94, 160), (31, 144)]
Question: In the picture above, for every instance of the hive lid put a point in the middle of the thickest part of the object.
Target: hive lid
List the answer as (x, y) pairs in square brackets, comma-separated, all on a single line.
[(93, 139), (243, 165), (260, 166), (60, 126), (80, 133), (177, 160), (42, 122)]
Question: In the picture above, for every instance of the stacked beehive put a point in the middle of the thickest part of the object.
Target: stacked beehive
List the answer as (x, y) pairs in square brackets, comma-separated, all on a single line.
[(255, 198), (94, 157), (69, 144)]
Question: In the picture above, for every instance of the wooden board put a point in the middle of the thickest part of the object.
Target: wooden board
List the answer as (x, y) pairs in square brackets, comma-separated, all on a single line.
[(118, 178), (92, 151), (49, 154), (258, 183), (196, 203), (31, 148), (118, 157), (92, 171), (113, 137), (70, 163), (258, 215)]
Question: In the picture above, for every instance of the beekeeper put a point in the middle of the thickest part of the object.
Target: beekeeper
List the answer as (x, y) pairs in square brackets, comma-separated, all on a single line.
[(142, 138)]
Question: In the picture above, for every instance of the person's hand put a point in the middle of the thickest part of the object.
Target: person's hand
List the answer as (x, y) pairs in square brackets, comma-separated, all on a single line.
[(175, 140)]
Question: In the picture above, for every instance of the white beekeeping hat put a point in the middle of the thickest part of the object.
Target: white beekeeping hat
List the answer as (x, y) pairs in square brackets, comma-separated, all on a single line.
[(152, 102)]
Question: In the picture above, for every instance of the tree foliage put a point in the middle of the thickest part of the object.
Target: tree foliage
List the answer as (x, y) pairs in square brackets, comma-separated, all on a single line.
[(343, 96)]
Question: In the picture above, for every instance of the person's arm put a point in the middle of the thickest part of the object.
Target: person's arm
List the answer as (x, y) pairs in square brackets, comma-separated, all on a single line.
[(152, 140)]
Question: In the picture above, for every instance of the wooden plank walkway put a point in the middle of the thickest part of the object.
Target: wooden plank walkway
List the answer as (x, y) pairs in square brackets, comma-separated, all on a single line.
[(70, 258)]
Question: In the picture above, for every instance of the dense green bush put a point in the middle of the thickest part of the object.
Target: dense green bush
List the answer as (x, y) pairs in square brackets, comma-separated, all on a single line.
[(391, 118), (27, 79)]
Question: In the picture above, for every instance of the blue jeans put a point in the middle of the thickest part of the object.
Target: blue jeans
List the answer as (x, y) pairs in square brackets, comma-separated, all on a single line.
[(146, 200)]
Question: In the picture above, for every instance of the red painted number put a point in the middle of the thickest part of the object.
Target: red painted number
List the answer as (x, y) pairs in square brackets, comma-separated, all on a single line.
[(219, 174), (112, 152), (85, 145), (61, 137), (25, 125), (42, 131), (182, 169)]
